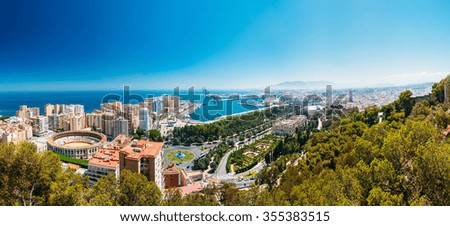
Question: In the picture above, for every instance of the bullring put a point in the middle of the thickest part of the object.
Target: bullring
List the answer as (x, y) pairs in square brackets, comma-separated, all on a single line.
[(76, 144)]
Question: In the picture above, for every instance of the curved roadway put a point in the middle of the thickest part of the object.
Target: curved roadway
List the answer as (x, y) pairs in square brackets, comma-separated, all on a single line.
[(221, 172)]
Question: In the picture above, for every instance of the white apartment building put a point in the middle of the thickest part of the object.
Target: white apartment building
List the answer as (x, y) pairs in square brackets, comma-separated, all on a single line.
[(40, 124), (104, 162), (145, 120), (120, 126)]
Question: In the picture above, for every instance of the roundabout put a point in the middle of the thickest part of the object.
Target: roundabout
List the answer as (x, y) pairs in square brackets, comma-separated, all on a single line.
[(180, 156)]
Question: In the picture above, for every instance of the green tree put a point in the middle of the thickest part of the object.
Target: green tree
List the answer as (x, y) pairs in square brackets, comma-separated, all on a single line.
[(229, 195), (265, 198), (323, 189), (26, 175), (173, 197), (154, 135), (432, 174), (405, 102), (437, 91), (138, 134), (136, 190), (69, 189), (201, 164), (421, 110), (378, 197), (214, 165), (3, 118), (105, 191), (441, 118), (200, 199)]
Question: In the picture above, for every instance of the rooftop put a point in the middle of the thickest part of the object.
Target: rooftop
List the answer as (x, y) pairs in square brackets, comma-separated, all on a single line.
[(142, 149), (71, 166), (292, 120), (107, 158), (191, 188), (171, 169), (121, 141)]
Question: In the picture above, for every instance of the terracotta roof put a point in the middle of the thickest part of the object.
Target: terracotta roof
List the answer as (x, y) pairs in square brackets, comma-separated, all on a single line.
[(121, 141), (73, 166), (108, 158), (191, 188), (171, 169), (121, 138), (141, 143), (143, 149)]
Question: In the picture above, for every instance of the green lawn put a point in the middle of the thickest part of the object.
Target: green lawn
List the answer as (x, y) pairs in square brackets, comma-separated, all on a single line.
[(171, 156), (81, 162), (239, 160)]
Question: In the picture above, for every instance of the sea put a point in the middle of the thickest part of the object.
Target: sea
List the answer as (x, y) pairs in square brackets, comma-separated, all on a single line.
[(209, 110), (212, 110)]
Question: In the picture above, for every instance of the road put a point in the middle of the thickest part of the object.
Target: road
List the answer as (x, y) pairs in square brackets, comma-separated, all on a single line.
[(221, 172), (240, 183), (194, 149)]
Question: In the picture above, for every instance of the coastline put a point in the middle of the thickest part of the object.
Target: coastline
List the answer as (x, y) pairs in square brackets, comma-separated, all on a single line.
[(198, 122), (10, 101)]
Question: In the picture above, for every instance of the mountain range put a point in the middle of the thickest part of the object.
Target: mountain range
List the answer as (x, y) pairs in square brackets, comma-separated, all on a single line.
[(301, 85)]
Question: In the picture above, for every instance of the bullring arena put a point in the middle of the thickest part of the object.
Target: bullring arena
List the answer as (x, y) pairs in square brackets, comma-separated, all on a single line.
[(76, 144)]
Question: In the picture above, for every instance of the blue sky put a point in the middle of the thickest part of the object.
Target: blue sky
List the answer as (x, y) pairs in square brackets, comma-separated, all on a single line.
[(98, 45)]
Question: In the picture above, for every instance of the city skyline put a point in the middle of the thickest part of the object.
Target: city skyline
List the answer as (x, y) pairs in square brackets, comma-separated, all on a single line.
[(235, 111), (227, 45)]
